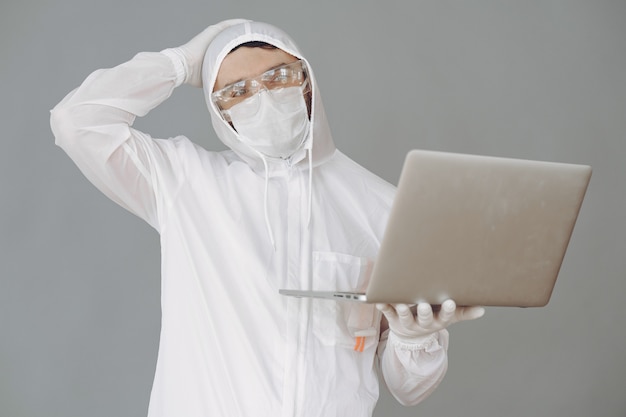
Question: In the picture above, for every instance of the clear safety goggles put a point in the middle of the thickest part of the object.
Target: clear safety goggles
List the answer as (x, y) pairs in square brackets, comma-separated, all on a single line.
[(289, 75)]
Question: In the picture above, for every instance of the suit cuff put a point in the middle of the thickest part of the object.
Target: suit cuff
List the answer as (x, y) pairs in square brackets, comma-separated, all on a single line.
[(178, 60)]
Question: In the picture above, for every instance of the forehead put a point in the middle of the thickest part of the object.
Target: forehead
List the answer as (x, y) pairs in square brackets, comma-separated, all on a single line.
[(249, 62)]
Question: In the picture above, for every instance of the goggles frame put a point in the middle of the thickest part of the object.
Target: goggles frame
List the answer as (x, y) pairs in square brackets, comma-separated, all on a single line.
[(293, 74)]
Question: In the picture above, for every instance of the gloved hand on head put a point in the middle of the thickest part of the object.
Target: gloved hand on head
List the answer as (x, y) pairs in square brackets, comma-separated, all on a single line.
[(192, 53), (420, 328)]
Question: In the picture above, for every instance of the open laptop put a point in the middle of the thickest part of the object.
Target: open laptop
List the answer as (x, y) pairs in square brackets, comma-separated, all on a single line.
[(481, 230)]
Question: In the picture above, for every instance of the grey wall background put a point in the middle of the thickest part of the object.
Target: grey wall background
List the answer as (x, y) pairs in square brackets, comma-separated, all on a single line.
[(538, 79)]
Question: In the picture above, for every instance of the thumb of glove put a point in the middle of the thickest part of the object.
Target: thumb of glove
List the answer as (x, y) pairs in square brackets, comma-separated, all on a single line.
[(192, 53)]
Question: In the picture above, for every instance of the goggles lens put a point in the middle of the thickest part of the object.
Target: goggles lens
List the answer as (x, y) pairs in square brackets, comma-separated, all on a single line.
[(288, 75)]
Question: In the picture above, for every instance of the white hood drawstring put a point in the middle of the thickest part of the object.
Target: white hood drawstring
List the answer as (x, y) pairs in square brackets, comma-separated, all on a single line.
[(268, 225), (310, 153), (265, 207)]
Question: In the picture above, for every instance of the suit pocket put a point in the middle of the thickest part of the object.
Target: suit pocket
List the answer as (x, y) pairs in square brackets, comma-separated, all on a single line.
[(343, 323)]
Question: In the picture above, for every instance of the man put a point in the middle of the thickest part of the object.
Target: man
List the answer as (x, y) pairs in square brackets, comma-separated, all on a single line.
[(282, 209)]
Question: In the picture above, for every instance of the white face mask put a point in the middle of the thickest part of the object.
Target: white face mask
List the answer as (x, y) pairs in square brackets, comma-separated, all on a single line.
[(274, 123)]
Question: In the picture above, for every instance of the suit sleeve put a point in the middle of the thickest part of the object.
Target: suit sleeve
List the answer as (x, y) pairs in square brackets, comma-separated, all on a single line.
[(93, 125)]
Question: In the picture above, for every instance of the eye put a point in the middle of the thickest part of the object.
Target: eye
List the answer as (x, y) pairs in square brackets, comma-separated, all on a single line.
[(237, 90), (282, 75), (280, 78), (268, 76)]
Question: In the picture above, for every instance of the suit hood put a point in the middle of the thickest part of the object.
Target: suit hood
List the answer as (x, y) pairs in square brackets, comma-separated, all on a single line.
[(319, 141)]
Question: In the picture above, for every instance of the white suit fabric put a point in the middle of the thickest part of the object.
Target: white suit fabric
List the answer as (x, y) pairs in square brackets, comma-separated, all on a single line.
[(230, 345)]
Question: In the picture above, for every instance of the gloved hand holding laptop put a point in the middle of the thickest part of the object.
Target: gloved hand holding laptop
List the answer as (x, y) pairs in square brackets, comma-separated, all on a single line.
[(421, 327)]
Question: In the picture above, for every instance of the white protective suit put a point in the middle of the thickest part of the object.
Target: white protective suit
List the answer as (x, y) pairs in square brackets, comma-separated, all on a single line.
[(230, 345)]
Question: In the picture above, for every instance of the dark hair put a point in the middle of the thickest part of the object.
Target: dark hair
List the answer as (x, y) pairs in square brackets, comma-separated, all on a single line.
[(254, 44)]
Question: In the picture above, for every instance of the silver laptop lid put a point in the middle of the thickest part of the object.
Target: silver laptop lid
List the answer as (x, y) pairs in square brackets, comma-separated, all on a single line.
[(480, 230)]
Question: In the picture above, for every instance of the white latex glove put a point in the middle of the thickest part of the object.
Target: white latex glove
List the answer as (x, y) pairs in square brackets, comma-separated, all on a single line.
[(192, 53), (420, 328)]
